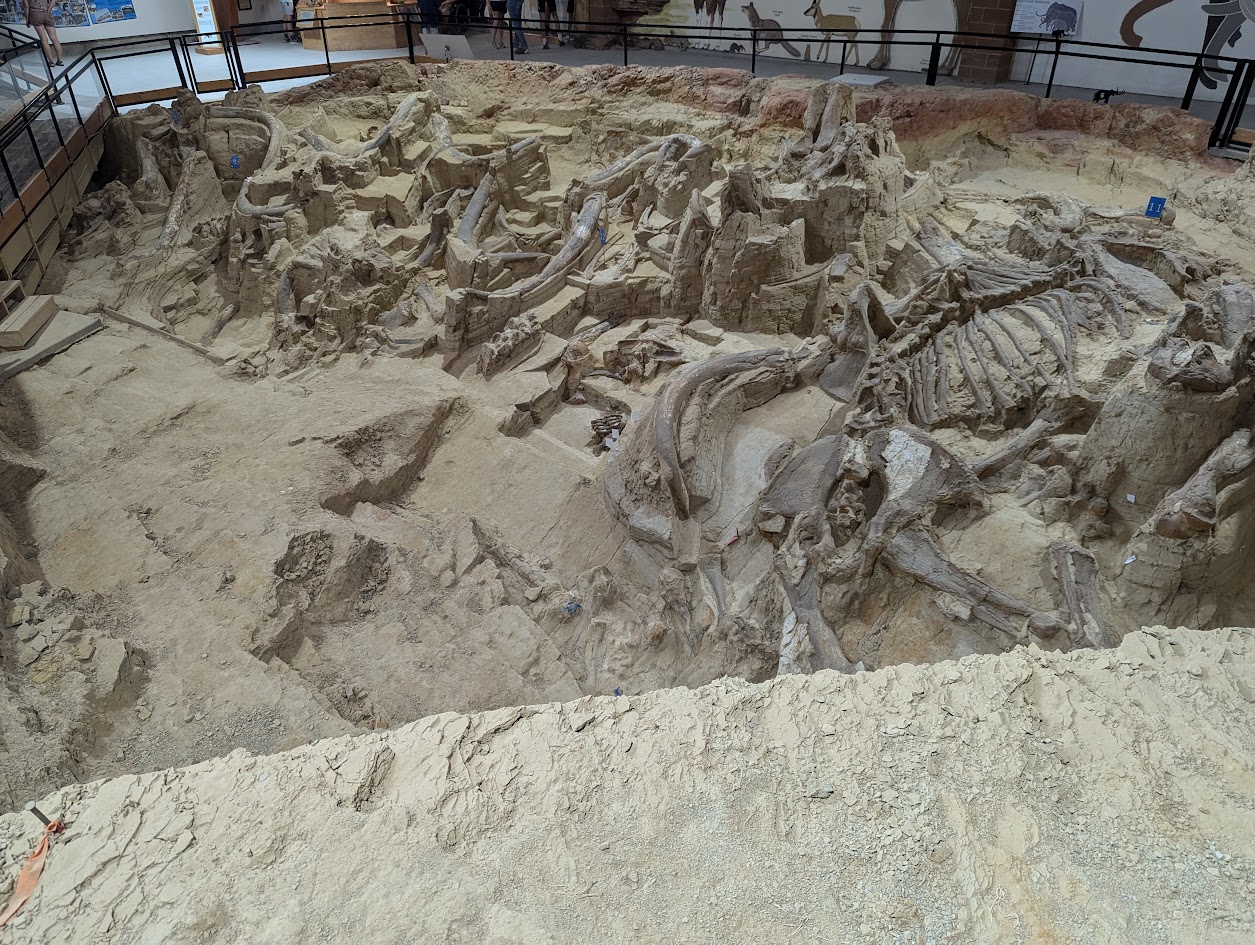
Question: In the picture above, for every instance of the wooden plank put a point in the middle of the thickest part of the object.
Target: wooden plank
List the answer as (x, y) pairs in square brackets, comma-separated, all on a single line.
[(11, 292), (341, 66), (57, 165), (28, 317), (30, 78), (16, 248), (30, 274), (77, 143), (97, 118), (215, 85), (155, 329), (65, 329), (142, 98), (293, 72), (10, 221), (33, 192), (42, 217)]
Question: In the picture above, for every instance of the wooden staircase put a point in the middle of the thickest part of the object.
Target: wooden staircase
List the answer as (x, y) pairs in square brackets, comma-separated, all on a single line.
[(22, 318), (32, 329)]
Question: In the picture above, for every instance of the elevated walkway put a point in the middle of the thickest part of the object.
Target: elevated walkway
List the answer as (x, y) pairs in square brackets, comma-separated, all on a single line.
[(50, 145)]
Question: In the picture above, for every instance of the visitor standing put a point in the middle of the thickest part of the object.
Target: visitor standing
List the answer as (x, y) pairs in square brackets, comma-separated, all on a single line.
[(499, 31), (429, 11), (515, 10), (39, 17), (565, 16), (548, 13), (289, 21)]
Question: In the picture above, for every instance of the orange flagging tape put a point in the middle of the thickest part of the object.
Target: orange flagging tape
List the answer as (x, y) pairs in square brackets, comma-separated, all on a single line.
[(32, 869)]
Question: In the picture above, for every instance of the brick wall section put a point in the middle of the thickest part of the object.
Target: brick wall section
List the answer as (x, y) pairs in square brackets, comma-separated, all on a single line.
[(987, 16)]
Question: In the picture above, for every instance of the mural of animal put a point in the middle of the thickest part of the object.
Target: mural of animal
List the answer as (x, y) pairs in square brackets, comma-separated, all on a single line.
[(1128, 29), (830, 24), (1060, 18), (768, 32), (736, 48), (962, 20), (1103, 96), (711, 9), (1225, 21)]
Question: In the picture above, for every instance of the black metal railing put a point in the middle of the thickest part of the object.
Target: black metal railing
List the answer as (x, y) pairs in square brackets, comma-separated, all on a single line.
[(32, 135)]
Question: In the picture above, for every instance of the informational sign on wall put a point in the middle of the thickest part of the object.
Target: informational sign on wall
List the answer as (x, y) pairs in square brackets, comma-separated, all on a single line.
[(1047, 16), (108, 11), (72, 13)]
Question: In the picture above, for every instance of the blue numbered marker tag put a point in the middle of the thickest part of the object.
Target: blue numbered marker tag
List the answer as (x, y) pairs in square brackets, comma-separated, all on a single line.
[(235, 162), (1156, 207)]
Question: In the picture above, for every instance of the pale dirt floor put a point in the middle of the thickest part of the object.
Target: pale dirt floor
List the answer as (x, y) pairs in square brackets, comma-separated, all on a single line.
[(311, 482)]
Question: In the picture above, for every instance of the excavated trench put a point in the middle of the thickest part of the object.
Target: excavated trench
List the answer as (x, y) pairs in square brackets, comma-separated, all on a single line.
[(491, 417)]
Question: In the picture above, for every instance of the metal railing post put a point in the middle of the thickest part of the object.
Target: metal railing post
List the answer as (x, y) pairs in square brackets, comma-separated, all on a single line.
[(69, 87), (1239, 103), (8, 173), (934, 60), (226, 56), (52, 117), (178, 63), (625, 44), (409, 35), (1217, 130), (104, 82), (191, 69), (753, 51), (239, 60), (1054, 66), (845, 51), (1192, 86), (326, 50), (30, 133)]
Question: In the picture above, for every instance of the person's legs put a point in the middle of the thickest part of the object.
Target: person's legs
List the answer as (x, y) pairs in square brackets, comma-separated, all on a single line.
[(564, 22), (48, 39), (546, 18), (498, 28), (515, 9)]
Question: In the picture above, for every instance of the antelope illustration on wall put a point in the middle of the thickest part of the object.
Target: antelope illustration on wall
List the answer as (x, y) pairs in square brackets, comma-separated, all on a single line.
[(830, 24)]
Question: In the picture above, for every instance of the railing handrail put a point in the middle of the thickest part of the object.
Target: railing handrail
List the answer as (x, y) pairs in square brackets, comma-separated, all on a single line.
[(704, 32), (1199, 61)]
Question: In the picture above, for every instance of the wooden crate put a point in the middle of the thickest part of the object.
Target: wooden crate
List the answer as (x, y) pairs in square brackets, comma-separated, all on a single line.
[(27, 319)]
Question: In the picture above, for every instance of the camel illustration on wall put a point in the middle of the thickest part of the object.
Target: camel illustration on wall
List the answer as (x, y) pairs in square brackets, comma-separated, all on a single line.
[(1225, 21), (962, 20)]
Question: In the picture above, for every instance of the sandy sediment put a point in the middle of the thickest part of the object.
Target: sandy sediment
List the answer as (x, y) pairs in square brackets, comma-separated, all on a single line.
[(1028, 797)]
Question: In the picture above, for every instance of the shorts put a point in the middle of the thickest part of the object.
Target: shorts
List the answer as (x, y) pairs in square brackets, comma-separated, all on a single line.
[(289, 7), (42, 18), (547, 6), (498, 6)]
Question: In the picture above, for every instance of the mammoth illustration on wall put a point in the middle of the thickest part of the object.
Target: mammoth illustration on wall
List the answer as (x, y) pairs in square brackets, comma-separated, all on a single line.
[(1060, 18)]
